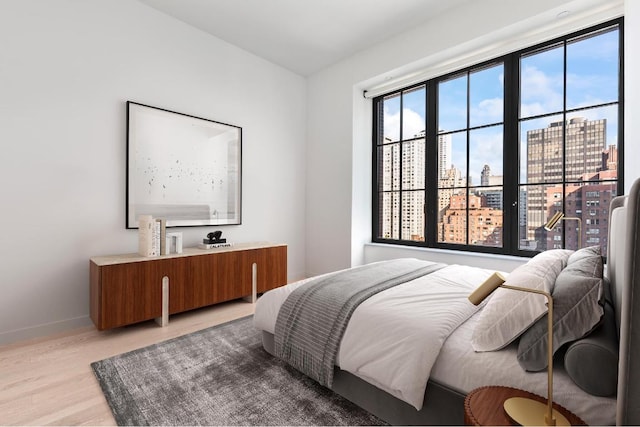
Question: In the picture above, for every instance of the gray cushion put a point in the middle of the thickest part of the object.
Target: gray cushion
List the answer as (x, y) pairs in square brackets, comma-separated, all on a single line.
[(578, 300), (592, 362)]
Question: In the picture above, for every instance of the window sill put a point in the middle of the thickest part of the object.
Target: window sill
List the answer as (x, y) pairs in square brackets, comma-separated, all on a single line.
[(381, 251)]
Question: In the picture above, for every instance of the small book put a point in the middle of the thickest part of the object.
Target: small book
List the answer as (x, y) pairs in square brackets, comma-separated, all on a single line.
[(214, 245), (155, 246), (213, 242), (164, 250)]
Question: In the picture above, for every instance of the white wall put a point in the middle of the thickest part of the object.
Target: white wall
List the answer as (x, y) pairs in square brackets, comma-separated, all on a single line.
[(339, 118), (67, 67)]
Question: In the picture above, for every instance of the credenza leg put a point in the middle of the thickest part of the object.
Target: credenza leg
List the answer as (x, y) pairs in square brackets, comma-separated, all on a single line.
[(164, 320), (254, 285)]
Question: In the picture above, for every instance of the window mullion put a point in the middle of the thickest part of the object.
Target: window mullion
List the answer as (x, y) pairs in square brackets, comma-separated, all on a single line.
[(468, 171), (511, 156), (431, 199), (620, 176), (564, 140), (401, 166)]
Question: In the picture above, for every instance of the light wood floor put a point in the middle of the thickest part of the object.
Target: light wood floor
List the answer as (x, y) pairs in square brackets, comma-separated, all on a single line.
[(48, 381)]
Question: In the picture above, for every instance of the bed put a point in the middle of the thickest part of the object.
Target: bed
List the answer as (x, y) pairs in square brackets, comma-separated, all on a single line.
[(457, 367)]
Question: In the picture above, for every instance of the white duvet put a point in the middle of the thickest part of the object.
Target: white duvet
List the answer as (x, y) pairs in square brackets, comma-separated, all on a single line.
[(386, 342)]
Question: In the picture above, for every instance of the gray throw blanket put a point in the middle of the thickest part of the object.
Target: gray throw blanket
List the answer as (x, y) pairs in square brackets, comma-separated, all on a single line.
[(313, 318)]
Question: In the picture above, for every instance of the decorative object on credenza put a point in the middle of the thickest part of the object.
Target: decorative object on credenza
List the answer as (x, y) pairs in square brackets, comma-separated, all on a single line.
[(214, 245), (524, 411), (151, 236), (146, 231), (559, 216), (183, 168), (214, 240), (174, 243)]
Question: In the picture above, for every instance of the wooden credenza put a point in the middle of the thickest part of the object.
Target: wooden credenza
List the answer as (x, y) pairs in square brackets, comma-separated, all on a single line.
[(127, 289)]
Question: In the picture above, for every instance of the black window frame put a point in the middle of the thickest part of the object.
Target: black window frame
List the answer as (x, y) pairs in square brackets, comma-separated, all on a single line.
[(511, 147)]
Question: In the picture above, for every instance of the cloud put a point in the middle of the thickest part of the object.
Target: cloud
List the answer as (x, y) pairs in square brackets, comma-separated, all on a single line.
[(540, 93), (487, 111), (412, 123), (591, 89)]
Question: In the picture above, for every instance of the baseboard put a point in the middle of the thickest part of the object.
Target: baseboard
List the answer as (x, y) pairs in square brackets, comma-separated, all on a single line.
[(43, 330)]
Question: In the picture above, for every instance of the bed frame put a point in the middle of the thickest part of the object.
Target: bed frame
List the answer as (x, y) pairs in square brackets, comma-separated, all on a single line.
[(444, 406), (624, 276)]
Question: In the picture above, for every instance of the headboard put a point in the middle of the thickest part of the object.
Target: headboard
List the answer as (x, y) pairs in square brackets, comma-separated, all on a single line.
[(623, 269)]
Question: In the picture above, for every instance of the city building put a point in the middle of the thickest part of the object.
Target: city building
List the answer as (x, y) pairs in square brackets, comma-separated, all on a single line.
[(407, 168), (610, 158), (444, 154), (413, 176), (524, 243), (492, 188), (390, 171), (449, 184), (410, 169), (485, 223), (585, 144), (590, 203)]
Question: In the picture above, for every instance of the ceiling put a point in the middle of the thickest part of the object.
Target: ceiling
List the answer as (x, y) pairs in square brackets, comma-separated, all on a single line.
[(303, 36)]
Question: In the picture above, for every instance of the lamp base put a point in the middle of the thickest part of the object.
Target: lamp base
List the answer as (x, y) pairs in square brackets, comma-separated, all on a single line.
[(529, 412)]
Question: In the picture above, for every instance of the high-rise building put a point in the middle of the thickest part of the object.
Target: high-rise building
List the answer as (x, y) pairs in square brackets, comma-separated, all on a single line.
[(522, 221), (444, 154), (449, 184), (484, 175), (610, 158), (413, 176), (406, 173), (491, 188), (584, 145), (389, 179)]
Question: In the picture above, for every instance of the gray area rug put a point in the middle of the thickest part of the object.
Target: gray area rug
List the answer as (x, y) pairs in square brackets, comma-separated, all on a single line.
[(218, 376)]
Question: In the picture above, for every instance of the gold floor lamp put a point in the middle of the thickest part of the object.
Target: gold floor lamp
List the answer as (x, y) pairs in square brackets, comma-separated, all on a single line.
[(525, 411)]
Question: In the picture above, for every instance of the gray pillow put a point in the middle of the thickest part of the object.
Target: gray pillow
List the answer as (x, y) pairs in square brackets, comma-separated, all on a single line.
[(592, 362), (578, 301)]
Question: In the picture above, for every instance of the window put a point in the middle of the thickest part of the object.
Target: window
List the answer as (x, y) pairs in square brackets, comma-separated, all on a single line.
[(479, 159), (470, 132), (400, 153)]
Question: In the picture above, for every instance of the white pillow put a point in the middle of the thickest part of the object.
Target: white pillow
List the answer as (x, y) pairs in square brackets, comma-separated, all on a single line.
[(509, 313)]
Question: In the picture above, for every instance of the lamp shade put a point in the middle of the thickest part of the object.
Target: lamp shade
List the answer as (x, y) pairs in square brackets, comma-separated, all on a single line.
[(553, 221), (492, 283)]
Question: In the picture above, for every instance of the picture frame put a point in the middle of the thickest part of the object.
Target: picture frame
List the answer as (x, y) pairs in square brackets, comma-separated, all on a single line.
[(183, 168)]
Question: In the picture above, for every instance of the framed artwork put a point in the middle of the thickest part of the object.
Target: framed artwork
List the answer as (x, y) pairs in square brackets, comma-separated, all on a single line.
[(185, 169)]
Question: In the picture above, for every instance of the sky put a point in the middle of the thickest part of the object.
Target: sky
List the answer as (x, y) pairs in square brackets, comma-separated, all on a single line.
[(591, 79)]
